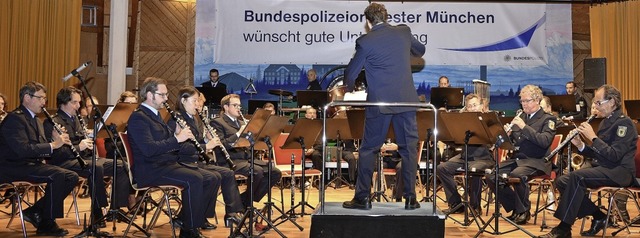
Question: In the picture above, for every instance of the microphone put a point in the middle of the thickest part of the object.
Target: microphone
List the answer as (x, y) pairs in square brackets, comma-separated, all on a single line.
[(76, 71)]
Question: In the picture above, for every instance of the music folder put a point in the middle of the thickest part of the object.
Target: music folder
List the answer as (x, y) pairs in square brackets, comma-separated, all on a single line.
[(117, 116)]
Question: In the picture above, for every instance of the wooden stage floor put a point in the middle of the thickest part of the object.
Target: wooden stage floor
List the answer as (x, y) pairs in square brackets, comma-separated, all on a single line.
[(163, 229)]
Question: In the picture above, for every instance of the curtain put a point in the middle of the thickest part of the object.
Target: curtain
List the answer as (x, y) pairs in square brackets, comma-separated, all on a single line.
[(39, 41), (615, 35)]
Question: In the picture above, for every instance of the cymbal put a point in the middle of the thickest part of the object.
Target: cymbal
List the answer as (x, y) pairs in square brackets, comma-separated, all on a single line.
[(280, 92)]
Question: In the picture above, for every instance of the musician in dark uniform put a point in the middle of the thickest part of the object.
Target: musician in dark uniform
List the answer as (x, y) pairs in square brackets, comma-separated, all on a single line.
[(479, 157), (581, 104), (214, 80), (312, 77), (68, 102), (228, 128), (155, 148), (189, 100), (613, 149), (24, 146), (532, 134), (385, 54)]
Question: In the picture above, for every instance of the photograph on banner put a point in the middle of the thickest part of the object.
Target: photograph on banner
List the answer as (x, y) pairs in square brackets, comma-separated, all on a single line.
[(273, 43)]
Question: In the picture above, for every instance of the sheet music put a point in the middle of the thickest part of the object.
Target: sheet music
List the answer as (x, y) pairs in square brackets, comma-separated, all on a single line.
[(105, 116)]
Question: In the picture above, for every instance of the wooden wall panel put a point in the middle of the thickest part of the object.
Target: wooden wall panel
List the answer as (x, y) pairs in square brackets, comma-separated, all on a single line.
[(166, 41)]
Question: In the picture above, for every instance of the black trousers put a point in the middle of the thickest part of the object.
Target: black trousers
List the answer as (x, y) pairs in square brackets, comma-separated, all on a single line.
[(59, 181), (574, 200), (260, 184), (516, 197), (229, 187), (197, 194), (446, 171), (104, 167)]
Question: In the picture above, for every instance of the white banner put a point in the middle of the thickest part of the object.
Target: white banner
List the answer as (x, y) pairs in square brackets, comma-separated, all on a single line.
[(324, 32)]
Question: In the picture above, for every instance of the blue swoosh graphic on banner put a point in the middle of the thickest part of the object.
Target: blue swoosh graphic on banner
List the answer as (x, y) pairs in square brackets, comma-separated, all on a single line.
[(519, 41)]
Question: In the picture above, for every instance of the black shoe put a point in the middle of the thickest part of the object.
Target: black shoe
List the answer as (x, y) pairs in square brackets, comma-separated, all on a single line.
[(177, 223), (195, 233), (596, 227), (523, 218), (355, 203), (557, 233), (411, 203), (32, 217), (513, 215), (51, 228), (233, 218), (208, 226), (454, 209)]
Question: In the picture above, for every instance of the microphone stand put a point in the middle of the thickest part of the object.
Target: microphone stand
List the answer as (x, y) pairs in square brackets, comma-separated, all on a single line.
[(114, 212)]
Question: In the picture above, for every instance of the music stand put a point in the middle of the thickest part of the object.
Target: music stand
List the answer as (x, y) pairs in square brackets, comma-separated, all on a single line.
[(633, 109), (448, 98), (473, 133), (315, 98), (303, 130), (103, 108), (117, 116), (248, 139), (495, 131), (563, 104), (256, 104), (338, 129), (426, 125), (213, 95)]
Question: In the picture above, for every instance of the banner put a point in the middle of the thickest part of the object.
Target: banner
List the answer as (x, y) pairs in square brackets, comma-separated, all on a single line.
[(324, 32)]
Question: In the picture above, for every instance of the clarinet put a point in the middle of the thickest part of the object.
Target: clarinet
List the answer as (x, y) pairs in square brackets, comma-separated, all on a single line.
[(58, 129), (84, 126), (182, 124), (212, 133), (566, 141)]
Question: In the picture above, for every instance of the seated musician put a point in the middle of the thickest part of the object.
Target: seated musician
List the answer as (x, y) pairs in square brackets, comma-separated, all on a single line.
[(479, 157), (613, 149), (189, 100), (315, 153), (155, 147), (24, 146), (392, 160), (228, 128), (68, 102), (532, 134)]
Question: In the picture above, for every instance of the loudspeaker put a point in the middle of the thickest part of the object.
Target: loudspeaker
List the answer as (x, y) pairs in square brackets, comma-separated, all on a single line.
[(595, 73)]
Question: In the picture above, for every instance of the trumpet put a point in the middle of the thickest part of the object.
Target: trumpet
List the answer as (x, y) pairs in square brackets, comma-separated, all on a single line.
[(566, 141), (577, 161), (510, 125), (212, 133), (182, 124), (58, 129)]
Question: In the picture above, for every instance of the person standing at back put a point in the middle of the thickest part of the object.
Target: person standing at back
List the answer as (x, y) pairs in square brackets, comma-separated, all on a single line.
[(385, 54)]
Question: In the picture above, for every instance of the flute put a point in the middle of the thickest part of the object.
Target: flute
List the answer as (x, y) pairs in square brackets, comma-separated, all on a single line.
[(58, 129), (212, 133), (182, 124)]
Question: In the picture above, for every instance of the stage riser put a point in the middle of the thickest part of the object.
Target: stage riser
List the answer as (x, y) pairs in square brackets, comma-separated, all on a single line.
[(383, 226)]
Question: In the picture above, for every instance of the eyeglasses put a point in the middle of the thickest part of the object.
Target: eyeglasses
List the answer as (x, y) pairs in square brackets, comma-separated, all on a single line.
[(599, 103), (39, 97), (161, 94), (236, 105), (526, 101)]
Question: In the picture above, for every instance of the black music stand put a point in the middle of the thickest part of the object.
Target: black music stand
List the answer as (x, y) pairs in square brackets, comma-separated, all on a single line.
[(495, 131), (102, 108), (633, 109), (473, 133), (426, 125), (213, 95), (338, 129), (272, 129), (303, 130), (563, 104), (248, 139), (315, 98), (448, 98)]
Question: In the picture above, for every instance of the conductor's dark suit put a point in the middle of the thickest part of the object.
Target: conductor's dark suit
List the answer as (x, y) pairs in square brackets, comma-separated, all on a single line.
[(65, 158), (479, 158), (532, 144), (385, 54), (155, 149), (209, 84), (225, 176), (24, 146), (226, 129), (613, 159)]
